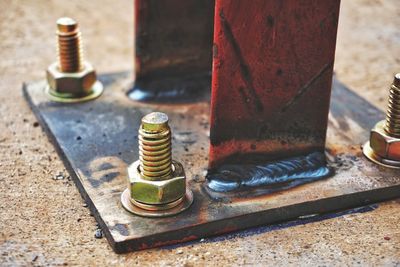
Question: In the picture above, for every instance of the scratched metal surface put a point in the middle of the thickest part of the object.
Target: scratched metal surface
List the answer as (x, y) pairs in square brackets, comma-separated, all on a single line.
[(272, 74), (98, 139)]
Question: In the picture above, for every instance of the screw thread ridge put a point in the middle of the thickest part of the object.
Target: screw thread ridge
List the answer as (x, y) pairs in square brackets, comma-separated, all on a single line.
[(155, 153), (70, 55), (392, 126)]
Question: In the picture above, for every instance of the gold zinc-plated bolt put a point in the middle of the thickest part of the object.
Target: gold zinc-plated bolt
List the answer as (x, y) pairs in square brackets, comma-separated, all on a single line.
[(71, 79), (383, 146), (157, 184)]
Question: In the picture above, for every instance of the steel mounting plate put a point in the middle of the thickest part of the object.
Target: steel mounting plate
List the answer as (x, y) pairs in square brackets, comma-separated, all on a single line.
[(98, 139)]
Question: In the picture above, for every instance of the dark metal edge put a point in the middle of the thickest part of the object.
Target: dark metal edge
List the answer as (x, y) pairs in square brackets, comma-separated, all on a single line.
[(68, 166), (266, 217), (270, 216)]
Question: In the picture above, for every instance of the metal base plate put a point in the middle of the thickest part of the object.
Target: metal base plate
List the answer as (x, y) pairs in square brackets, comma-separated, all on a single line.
[(98, 139)]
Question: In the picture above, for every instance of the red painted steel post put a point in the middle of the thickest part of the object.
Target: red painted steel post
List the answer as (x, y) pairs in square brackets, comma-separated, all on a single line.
[(173, 49), (272, 76)]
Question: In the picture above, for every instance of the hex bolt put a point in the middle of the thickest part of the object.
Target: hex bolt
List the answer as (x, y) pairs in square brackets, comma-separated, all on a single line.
[(157, 184), (71, 79), (155, 147), (393, 112), (383, 146), (69, 45)]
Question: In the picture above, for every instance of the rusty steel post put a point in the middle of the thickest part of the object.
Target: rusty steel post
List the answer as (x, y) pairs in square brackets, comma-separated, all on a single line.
[(173, 47), (272, 77)]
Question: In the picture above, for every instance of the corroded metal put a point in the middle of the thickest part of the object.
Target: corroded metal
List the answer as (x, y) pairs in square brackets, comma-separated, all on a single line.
[(96, 142), (173, 49), (271, 82), (71, 79), (383, 146)]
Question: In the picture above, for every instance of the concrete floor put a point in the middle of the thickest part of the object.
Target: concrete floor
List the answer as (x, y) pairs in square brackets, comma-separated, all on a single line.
[(43, 221)]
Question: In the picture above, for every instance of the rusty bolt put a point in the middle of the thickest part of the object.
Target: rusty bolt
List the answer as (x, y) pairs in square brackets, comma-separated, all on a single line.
[(156, 182), (71, 79), (384, 144)]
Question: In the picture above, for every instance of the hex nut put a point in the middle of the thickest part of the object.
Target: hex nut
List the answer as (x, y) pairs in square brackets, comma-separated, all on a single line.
[(78, 83), (157, 192), (384, 145)]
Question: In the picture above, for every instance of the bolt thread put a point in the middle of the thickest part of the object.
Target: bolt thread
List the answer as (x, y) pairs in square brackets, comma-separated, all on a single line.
[(392, 126), (70, 54), (155, 153)]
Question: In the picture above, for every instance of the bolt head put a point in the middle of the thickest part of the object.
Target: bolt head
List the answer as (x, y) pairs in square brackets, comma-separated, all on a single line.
[(396, 80), (384, 145), (66, 25), (156, 192), (155, 122), (78, 83)]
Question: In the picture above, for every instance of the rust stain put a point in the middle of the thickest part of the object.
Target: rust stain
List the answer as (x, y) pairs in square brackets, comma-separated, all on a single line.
[(166, 243)]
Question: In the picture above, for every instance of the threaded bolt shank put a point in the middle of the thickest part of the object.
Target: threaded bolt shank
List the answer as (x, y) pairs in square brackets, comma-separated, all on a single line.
[(155, 147), (392, 126), (69, 45)]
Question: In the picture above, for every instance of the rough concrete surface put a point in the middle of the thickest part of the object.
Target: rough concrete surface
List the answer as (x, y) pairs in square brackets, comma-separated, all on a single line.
[(43, 220)]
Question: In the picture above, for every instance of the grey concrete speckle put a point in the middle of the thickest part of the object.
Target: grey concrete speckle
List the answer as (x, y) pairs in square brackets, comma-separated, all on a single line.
[(44, 221)]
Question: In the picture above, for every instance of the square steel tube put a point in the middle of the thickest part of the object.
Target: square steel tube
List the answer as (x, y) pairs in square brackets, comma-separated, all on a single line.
[(271, 79), (173, 47)]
